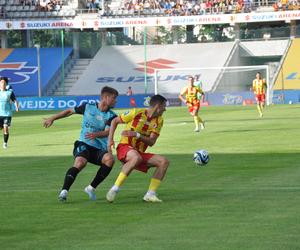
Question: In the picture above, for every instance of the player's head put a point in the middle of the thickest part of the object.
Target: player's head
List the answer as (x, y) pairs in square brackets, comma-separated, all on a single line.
[(191, 81), (3, 83), (158, 103), (258, 75), (109, 96)]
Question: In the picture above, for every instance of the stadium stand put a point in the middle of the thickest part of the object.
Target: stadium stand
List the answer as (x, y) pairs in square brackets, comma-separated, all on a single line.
[(35, 9), (133, 8)]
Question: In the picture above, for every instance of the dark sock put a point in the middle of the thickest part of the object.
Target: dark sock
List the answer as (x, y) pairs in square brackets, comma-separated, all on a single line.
[(102, 173), (6, 138), (70, 177)]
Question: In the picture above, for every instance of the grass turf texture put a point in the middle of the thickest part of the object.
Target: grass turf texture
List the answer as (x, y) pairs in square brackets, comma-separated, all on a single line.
[(247, 197)]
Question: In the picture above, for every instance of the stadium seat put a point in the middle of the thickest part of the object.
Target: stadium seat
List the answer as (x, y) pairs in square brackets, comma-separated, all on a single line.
[(16, 14), (35, 14), (8, 8), (19, 7), (23, 14), (42, 14), (13, 8), (26, 8), (54, 13)]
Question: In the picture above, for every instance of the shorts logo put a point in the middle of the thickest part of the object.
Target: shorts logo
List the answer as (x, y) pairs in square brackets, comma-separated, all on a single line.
[(17, 72)]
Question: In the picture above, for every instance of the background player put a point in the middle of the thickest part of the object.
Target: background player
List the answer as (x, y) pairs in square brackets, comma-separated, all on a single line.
[(6, 98), (258, 87), (92, 145), (143, 127), (192, 100)]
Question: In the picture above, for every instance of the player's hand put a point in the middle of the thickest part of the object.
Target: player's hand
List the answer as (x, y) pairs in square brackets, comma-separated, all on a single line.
[(47, 122), (90, 136), (128, 133)]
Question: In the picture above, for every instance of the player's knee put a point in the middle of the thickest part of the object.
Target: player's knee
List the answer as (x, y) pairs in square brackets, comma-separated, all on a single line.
[(108, 160), (80, 163), (164, 163)]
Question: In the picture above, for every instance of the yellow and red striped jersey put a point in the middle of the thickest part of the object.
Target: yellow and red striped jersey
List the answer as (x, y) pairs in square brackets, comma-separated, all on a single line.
[(259, 86), (138, 121), (191, 94)]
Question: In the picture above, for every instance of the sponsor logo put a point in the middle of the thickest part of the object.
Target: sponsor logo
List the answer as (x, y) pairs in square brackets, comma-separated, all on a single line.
[(160, 63), (17, 72), (156, 64), (8, 25), (141, 79), (232, 99)]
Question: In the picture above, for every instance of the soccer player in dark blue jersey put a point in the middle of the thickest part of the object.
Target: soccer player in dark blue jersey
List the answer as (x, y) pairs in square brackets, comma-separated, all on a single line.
[(7, 97), (92, 144)]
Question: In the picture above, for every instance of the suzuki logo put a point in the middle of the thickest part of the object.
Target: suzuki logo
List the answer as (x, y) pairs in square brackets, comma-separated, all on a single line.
[(156, 64), (17, 72)]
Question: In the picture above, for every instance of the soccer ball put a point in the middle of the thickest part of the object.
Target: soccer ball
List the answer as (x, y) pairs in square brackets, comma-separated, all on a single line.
[(201, 157)]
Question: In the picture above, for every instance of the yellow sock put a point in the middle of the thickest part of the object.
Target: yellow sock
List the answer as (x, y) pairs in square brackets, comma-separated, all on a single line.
[(120, 180), (154, 184), (199, 119), (196, 122), (259, 109)]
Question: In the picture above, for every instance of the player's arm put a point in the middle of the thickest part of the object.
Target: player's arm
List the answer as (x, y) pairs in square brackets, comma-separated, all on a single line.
[(182, 93), (14, 100), (149, 140), (113, 126), (100, 134), (16, 105), (97, 134), (49, 121)]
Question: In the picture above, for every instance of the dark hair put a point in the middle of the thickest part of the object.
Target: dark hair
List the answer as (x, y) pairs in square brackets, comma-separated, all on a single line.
[(4, 78), (258, 72), (109, 90), (157, 99)]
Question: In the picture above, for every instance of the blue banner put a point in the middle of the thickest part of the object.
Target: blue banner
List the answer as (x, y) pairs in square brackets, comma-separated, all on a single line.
[(65, 102)]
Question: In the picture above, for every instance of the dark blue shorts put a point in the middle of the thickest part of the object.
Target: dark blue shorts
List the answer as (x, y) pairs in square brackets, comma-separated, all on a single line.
[(92, 154), (5, 121)]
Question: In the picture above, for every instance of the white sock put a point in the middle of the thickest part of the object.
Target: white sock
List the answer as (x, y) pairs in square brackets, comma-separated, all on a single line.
[(115, 188), (150, 192), (90, 188)]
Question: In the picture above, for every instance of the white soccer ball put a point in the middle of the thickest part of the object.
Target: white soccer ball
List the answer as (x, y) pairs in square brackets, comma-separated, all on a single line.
[(201, 157)]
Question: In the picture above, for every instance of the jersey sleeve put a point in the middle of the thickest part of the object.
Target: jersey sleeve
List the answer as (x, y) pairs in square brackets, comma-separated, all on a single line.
[(80, 109), (13, 97), (108, 122), (128, 116)]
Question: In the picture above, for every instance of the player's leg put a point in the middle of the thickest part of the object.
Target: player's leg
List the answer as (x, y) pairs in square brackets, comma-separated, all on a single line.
[(161, 164), (6, 125), (200, 121), (132, 158), (81, 154), (194, 113), (258, 105), (106, 162), (262, 104)]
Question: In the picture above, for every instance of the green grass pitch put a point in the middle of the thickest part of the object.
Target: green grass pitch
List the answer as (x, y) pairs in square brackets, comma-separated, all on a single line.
[(247, 197)]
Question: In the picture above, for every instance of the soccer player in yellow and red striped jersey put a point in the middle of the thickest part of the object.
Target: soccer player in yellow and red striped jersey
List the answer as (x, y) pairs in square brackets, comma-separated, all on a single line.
[(192, 101), (142, 129), (259, 86)]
